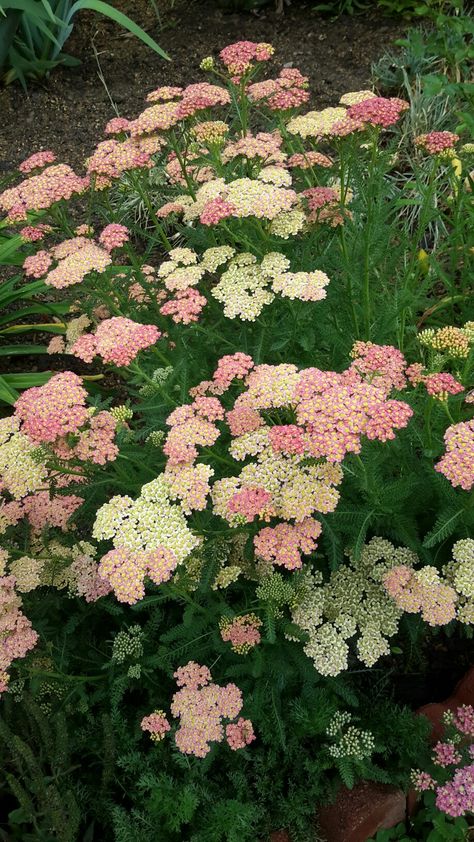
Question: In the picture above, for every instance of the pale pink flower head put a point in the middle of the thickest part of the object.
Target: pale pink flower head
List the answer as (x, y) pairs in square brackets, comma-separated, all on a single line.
[(436, 142), (77, 258), (232, 366), (192, 676), (422, 781), (97, 443), (116, 125), (53, 410), (414, 373), (445, 754), (33, 233), (168, 208), (382, 365), (457, 464), (156, 724), (41, 191), (37, 265), (238, 57), (285, 543), (17, 636), (125, 571), (241, 632), (185, 307), (464, 720), (114, 236), (117, 340), (37, 161), (42, 510), (239, 734), (201, 706), (308, 159), (86, 580), (113, 157), (164, 94)]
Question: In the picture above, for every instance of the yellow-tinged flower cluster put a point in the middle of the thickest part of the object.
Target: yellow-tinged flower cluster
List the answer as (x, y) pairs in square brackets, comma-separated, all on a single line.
[(247, 286), (459, 574), (352, 602), (449, 340), (21, 471), (147, 523)]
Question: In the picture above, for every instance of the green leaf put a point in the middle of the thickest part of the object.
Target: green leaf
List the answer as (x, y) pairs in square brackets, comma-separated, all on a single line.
[(15, 350), (443, 528)]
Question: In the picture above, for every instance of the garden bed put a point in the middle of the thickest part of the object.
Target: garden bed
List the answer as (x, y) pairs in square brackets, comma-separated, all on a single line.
[(236, 513)]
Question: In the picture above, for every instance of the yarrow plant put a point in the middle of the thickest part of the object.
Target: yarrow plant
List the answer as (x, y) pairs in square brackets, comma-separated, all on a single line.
[(238, 506), (451, 776)]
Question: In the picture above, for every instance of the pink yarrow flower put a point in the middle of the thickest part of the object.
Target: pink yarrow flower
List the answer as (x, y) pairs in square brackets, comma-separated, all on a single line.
[(378, 111), (37, 161), (436, 142), (37, 265), (240, 734), (156, 724), (53, 410), (238, 57), (117, 340), (457, 464), (215, 210), (114, 236)]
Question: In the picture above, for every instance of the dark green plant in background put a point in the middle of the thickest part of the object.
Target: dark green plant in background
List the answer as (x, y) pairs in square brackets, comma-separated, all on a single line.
[(33, 34)]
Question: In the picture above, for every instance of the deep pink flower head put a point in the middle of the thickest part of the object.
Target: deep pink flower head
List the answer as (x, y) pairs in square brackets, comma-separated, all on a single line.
[(436, 142), (378, 111), (288, 90), (53, 410), (456, 798), (251, 503), (445, 754), (215, 210), (33, 233), (464, 720), (37, 161), (441, 384)]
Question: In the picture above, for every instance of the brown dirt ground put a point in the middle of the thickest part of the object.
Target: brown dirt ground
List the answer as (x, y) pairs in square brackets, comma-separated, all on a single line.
[(67, 112)]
